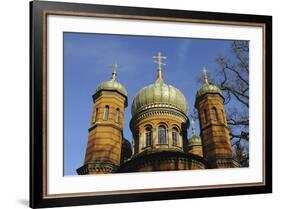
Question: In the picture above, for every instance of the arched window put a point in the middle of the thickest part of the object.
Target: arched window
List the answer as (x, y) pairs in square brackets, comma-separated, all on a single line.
[(106, 112), (117, 115), (175, 136), (215, 113), (162, 135), (148, 136), (222, 113), (206, 116), (97, 114)]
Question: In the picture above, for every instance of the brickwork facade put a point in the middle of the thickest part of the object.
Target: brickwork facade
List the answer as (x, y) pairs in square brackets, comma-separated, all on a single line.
[(214, 130), (105, 133)]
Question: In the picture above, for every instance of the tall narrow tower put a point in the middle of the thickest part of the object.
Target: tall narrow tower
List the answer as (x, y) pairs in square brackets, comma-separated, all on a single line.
[(213, 125), (106, 129)]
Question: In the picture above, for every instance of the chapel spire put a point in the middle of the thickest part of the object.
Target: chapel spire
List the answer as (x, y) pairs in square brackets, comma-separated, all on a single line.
[(114, 73), (193, 126), (158, 59), (205, 71)]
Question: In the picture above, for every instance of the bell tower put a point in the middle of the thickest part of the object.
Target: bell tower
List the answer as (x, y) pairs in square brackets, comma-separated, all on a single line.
[(105, 136), (215, 135)]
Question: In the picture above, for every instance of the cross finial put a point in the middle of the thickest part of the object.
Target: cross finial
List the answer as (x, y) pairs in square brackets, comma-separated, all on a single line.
[(193, 126), (205, 71), (114, 73), (159, 61)]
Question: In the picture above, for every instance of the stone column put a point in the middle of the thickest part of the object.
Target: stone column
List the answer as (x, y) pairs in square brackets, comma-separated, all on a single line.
[(169, 135), (153, 137), (140, 141)]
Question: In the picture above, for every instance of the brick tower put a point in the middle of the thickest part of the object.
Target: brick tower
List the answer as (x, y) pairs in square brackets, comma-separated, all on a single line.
[(106, 129), (215, 136)]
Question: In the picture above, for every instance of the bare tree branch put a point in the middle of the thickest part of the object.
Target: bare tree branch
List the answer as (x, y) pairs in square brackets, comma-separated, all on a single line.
[(233, 79)]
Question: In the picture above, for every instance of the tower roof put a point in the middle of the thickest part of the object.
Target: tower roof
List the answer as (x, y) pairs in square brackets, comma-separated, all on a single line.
[(113, 84), (159, 94), (207, 87)]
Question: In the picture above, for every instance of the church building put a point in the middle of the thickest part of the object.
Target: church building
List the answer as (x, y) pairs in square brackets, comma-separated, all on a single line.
[(159, 125)]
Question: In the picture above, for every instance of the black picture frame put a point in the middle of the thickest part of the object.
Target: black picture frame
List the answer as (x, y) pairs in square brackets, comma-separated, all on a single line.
[(38, 11)]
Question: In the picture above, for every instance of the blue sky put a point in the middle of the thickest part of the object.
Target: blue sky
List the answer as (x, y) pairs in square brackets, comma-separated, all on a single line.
[(87, 62)]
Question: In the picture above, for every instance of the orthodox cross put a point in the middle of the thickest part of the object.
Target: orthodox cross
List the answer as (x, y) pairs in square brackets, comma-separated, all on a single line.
[(205, 71), (114, 73), (159, 60), (193, 126)]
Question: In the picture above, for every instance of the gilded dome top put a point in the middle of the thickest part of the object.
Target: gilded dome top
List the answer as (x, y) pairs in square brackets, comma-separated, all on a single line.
[(194, 140), (207, 87), (113, 84), (159, 94)]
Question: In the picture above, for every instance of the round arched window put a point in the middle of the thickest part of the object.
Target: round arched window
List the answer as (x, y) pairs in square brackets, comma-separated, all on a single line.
[(117, 115), (97, 114), (106, 112), (215, 113), (148, 136), (162, 139), (206, 116), (175, 136)]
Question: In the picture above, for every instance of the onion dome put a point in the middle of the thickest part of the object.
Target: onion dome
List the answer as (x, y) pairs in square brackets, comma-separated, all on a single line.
[(194, 140), (113, 84), (159, 94), (207, 87)]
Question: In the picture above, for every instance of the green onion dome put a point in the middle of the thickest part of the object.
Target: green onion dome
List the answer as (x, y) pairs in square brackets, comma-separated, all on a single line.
[(159, 94), (195, 140), (113, 84), (207, 87)]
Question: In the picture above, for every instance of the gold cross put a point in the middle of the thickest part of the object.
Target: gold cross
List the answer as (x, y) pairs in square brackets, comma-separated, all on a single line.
[(159, 60), (193, 126), (114, 73), (205, 71)]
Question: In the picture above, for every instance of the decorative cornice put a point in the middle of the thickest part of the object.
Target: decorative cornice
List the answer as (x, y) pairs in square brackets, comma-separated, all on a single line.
[(151, 150), (213, 124), (164, 156), (98, 167), (224, 163), (158, 105), (99, 93), (155, 111), (104, 124), (201, 97)]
